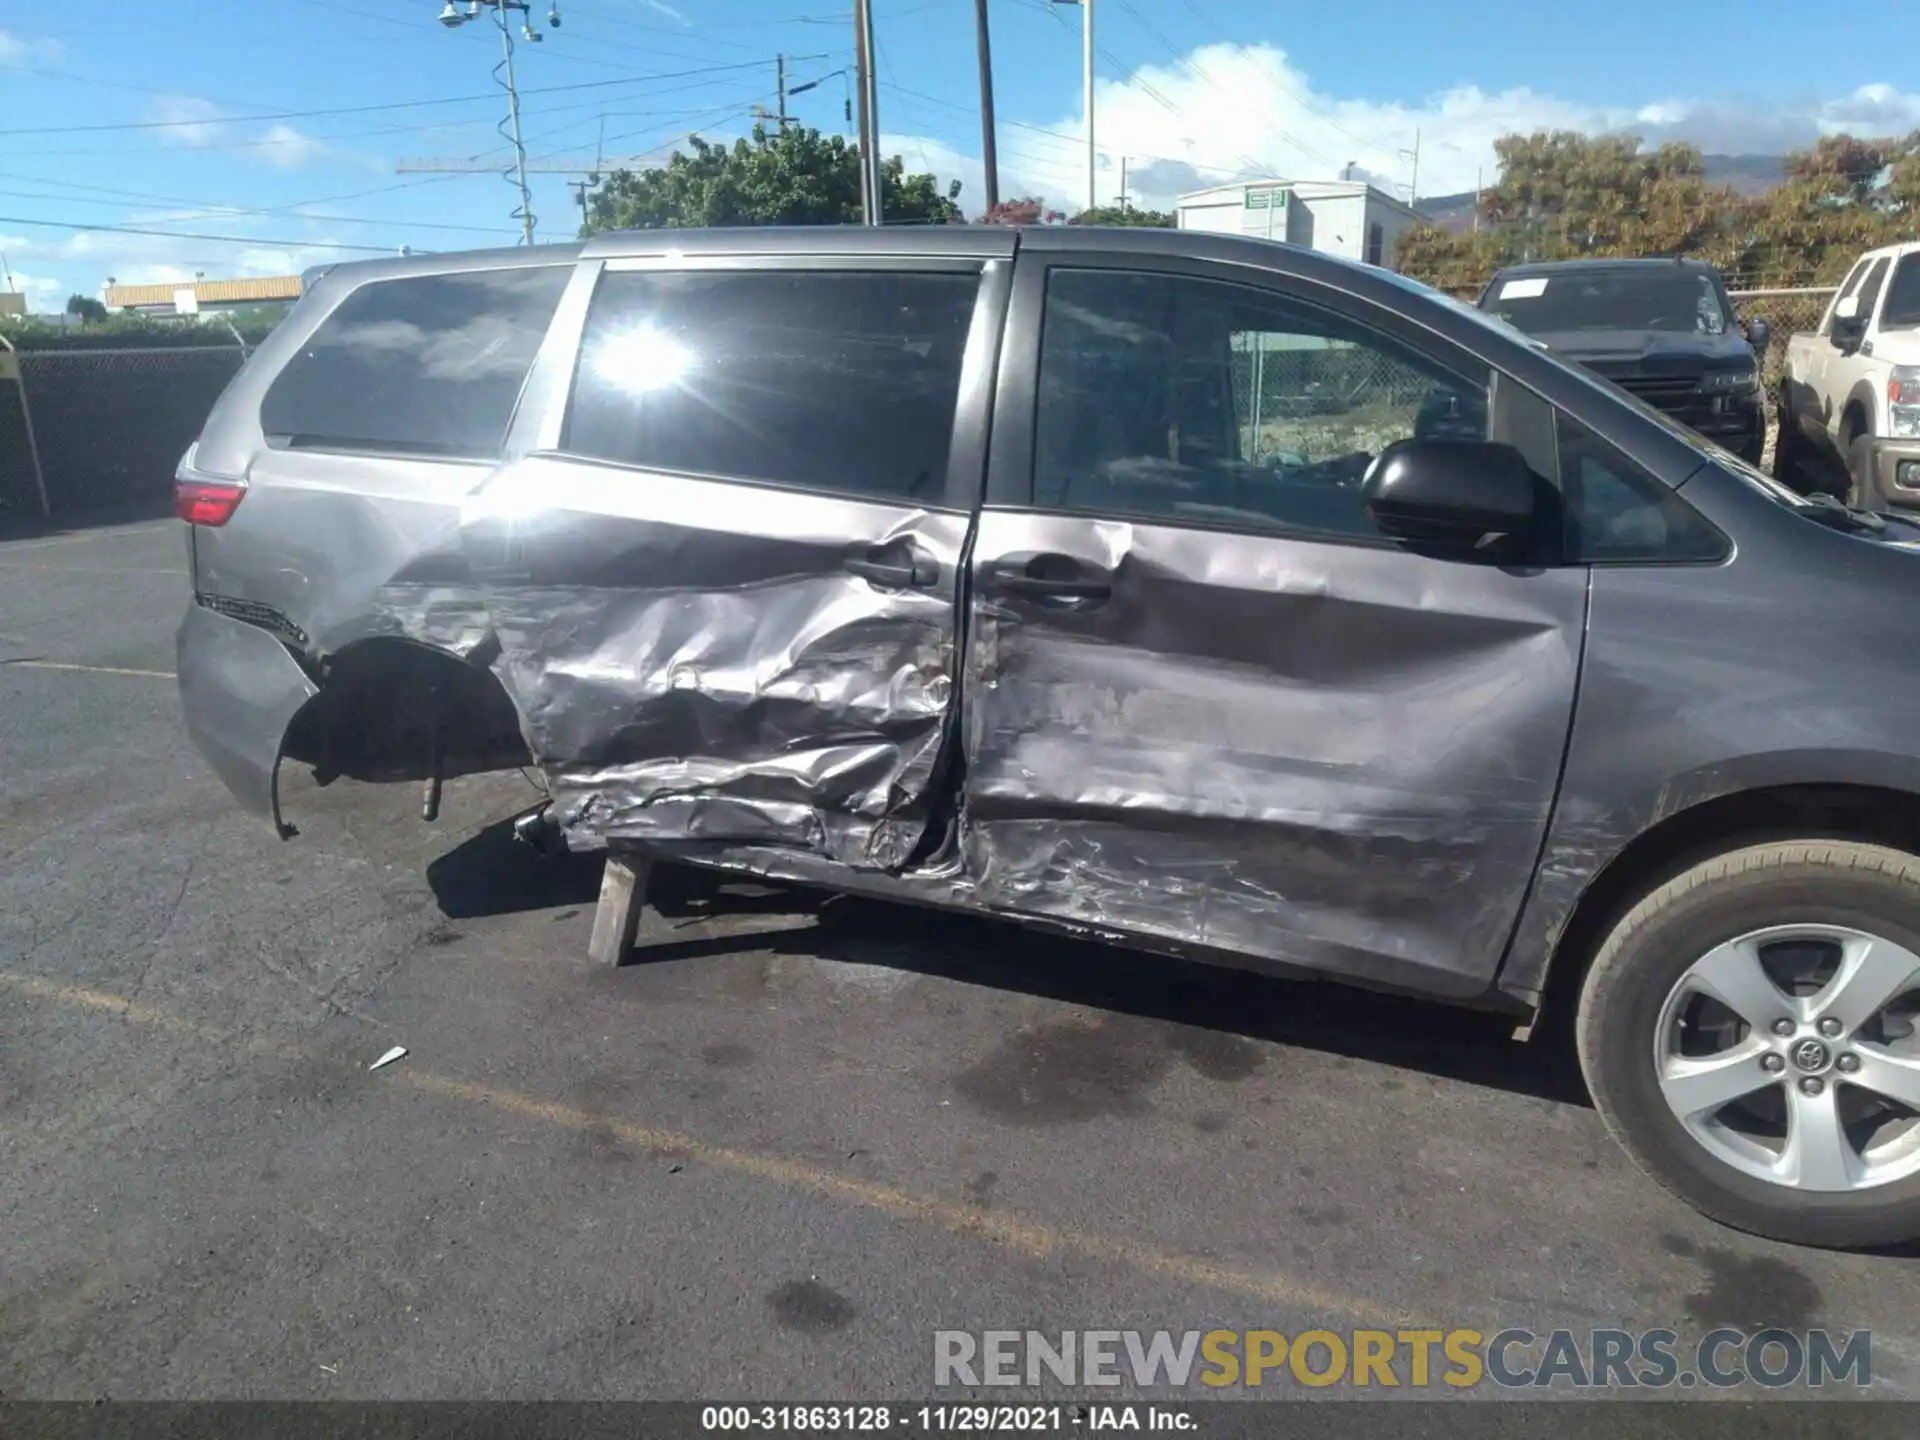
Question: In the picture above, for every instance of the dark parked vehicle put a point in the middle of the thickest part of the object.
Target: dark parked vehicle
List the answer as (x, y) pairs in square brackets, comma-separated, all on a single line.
[(1190, 592), (1663, 329)]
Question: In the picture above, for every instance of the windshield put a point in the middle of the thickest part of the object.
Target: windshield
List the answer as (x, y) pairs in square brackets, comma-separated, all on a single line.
[(1679, 301)]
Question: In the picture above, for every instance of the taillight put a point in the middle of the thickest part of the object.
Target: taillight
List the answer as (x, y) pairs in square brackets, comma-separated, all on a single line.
[(206, 502), (200, 498)]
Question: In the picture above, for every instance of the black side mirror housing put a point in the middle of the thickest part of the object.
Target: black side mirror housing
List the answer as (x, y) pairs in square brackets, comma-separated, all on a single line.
[(1464, 497), (1758, 334), (1847, 332)]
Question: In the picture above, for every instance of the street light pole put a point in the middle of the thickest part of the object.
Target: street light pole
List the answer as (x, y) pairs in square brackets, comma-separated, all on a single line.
[(1086, 91), (863, 78), (453, 18), (1086, 84)]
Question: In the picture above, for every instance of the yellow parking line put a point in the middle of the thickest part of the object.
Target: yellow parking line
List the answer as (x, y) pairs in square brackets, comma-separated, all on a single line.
[(89, 669), (102, 1000), (1029, 1237)]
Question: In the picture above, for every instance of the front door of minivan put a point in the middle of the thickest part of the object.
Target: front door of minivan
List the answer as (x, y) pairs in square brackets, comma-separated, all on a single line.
[(725, 586), (1204, 699)]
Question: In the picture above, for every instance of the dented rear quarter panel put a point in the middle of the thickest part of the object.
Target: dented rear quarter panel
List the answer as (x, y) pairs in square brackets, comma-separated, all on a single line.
[(352, 546)]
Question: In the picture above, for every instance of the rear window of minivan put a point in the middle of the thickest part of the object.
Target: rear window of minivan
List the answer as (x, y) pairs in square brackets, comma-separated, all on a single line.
[(425, 364)]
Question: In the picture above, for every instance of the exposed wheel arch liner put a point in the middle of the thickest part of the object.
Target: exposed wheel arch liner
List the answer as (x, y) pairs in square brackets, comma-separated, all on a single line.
[(383, 699)]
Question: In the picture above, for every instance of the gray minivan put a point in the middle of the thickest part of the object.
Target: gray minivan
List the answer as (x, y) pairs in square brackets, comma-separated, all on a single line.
[(1196, 593)]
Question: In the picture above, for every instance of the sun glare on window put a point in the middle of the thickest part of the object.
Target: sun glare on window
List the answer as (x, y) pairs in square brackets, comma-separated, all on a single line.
[(641, 359)]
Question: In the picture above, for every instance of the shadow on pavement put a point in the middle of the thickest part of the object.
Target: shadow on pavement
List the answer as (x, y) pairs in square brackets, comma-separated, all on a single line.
[(494, 874), (22, 526)]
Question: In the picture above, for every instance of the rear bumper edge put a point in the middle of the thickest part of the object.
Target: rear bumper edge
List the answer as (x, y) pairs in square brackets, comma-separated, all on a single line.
[(240, 689)]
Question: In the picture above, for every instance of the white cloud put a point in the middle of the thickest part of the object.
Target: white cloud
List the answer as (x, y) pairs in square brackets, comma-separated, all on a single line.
[(190, 120), (287, 147), (1228, 111), (662, 8), (19, 50), (197, 124)]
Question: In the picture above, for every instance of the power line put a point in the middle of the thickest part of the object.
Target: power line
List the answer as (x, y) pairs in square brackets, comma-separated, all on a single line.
[(218, 212), (565, 38), (388, 105), (87, 226)]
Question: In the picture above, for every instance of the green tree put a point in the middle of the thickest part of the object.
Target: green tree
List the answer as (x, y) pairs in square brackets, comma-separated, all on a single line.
[(791, 177), (1564, 196), (1124, 215), (86, 308)]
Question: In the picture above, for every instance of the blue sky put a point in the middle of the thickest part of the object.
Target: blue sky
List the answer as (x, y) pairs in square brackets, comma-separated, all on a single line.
[(181, 102)]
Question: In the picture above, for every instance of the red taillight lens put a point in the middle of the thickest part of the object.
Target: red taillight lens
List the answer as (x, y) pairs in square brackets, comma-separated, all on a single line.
[(206, 502)]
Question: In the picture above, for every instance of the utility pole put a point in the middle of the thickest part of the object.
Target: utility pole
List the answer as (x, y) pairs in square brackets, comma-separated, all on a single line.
[(1123, 182), (1413, 190), (863, 70), (1086, 84), (1086, 88), (780, 83), (453, 19), (987, 150)]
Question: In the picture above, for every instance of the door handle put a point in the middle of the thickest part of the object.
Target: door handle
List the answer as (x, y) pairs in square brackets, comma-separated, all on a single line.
[(1059, 578), (903, 570)]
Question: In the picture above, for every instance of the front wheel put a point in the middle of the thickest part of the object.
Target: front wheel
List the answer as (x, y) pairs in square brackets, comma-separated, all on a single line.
[(1789, 450), (1748, 1034)]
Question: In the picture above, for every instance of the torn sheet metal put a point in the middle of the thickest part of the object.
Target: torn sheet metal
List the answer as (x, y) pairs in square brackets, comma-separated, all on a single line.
[(1335, 756), (693, 661), (239, 690)]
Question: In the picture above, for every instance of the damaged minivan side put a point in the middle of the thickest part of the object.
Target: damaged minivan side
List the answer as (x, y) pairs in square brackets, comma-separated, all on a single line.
[(1195, 593)]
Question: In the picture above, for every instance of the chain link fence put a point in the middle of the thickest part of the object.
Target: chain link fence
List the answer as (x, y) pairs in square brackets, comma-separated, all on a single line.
[(1787, 312), (110, 425), (1312, 399)]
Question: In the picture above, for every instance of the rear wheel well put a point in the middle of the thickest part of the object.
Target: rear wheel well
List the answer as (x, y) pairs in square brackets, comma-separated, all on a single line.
[(1865, 813), (393, 709)]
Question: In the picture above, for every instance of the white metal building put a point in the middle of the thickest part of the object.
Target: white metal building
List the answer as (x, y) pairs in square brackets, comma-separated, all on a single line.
[(1348, 218)]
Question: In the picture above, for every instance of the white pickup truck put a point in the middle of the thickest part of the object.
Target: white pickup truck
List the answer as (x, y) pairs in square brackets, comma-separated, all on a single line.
[(1850, 397)]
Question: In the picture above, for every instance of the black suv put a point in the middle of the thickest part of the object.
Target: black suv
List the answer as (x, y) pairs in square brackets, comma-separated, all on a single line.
[(1664, 330)]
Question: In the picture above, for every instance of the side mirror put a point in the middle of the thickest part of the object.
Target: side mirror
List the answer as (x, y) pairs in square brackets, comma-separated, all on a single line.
[(1467, 497), (1848, 326), (1758, 334)]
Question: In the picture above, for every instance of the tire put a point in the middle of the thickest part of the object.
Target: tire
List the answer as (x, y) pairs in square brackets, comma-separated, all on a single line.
[(1623, 1016), (1861, 491), (1789, 452)]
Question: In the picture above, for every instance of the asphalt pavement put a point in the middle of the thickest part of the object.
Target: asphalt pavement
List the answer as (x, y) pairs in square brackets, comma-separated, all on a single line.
[(767, 1160)]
